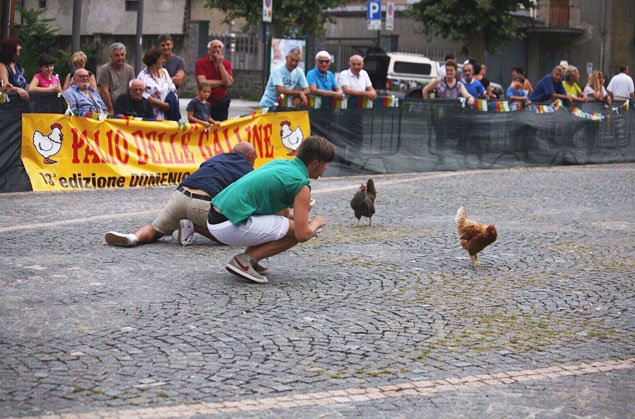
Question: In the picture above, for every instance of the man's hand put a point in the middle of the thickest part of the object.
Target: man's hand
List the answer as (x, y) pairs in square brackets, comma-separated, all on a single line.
[(218, 57), (317, 223), (339, 95), (304, 100)]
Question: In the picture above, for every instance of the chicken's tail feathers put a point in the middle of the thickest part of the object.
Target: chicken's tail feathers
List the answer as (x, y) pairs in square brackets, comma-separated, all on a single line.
[(460, 214), (370, 187)]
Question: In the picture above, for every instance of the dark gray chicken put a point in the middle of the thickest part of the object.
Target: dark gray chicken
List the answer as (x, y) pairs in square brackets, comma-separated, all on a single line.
[(363, 203)]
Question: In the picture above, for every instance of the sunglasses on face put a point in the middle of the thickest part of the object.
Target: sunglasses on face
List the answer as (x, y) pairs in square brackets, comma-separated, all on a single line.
[(323, 61)]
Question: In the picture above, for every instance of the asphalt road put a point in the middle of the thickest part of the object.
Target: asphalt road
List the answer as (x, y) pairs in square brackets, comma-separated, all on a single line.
[(382, 321)]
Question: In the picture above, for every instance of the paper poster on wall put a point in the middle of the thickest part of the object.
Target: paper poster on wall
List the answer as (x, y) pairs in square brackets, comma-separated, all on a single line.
[(281, 47)]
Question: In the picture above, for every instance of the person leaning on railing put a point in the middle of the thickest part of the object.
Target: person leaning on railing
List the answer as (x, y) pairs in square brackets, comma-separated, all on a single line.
[(571, 77), (355, 81), (447, 87), (594, 88), (11, 73), (550, 87)]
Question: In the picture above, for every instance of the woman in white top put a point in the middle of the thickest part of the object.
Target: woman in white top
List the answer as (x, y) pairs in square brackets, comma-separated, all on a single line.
[(158, 82), (595, 90)]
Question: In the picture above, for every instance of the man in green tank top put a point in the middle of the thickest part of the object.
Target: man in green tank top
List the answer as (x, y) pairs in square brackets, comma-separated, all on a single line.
[(254, 211)]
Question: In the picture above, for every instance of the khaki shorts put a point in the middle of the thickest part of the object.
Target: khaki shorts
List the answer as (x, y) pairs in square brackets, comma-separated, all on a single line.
[(179, 207)]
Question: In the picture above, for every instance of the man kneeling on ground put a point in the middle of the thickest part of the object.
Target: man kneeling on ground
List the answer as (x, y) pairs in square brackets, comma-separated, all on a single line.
[(254, 211), (191, 200)]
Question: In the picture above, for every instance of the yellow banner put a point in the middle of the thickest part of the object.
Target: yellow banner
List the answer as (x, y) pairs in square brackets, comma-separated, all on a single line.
[(68, 152)]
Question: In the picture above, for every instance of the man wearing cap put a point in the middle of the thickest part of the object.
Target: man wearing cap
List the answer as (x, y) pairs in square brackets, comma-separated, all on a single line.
[(321, 80)]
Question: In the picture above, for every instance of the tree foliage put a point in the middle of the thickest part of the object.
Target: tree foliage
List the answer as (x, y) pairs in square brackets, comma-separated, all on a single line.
[(489, 22), (37, 37), (291, 18)]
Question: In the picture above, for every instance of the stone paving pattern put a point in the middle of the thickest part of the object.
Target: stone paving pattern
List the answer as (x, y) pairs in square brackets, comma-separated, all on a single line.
[(87, 327)]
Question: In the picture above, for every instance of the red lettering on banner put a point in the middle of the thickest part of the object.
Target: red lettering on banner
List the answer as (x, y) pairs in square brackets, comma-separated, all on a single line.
[(185, 146), (226, 135), (78, 143), (142, 150), (257, 142), (110, 149), (90, 150), (206, 152), (150, 140), (167, 157), (119, 136), (97, 149), (237, 134), (268, 129), (248, 129), (218, 149), (178, 158)]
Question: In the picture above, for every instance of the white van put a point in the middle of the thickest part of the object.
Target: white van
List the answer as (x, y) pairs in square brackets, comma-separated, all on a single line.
[(407, 71)]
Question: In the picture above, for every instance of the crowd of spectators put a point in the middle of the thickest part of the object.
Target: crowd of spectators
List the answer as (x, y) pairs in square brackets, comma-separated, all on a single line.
[(153, 93)]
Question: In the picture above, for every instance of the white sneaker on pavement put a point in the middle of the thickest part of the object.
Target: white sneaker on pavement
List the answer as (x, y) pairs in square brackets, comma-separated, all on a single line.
[(186, 232), (241, 265), (114, 238)]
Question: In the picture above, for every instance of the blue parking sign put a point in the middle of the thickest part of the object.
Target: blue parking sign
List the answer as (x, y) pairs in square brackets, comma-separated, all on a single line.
[(373, 10), (373, 15)]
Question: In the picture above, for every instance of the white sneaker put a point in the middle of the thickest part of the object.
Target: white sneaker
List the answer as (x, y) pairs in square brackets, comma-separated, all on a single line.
[(121, 239), (241, 265), (186, 232)]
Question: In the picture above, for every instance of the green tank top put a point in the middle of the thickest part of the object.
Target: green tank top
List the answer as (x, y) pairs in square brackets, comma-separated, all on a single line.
[(265, 191)]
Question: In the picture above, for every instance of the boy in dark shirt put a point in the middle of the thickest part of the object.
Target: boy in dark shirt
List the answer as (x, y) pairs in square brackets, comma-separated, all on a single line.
[(199, 110)]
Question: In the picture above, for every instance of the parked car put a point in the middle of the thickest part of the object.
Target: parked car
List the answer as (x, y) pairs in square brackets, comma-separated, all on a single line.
[(404, 71)]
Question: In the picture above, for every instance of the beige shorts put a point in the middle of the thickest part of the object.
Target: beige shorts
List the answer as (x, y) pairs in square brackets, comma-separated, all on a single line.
[(179, 207)]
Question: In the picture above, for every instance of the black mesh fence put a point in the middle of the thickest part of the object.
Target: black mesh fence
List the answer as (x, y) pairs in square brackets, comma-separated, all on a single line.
[(428, 135), (13, 177), (415, 136)]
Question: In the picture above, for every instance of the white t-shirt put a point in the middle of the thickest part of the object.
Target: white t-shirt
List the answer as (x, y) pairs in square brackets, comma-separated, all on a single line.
[(347, 78), (621, 86)]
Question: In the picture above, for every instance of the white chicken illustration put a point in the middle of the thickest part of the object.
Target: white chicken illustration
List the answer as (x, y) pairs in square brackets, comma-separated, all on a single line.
[(50, 145), (291, 139)]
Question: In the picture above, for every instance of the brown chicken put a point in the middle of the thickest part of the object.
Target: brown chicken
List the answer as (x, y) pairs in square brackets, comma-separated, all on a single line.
[(363, 203), (474, 236)]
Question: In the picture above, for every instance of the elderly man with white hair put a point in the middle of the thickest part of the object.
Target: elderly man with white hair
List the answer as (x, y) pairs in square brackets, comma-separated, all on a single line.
[(321, 81), (113, 78), (133, 103), (81, 97), (216, 71), (355, 81)]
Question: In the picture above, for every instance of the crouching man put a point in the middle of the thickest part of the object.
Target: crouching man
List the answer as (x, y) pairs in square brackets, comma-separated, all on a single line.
[(254, 211), (190, 203)]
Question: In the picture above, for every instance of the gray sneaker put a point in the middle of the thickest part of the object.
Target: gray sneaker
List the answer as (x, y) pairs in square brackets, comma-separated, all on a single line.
[(241, 265), (186, 232), (121, 239), (262, 270)]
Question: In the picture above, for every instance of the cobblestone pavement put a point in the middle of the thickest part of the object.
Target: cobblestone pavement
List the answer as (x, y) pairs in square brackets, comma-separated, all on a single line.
[(382, 321)]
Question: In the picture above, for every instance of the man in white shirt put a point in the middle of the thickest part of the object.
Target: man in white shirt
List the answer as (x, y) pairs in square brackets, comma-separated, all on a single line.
[(355, 80), (621, 85)]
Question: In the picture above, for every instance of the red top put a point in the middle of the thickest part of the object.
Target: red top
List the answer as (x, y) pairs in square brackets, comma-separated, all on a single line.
[(204, 67)]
